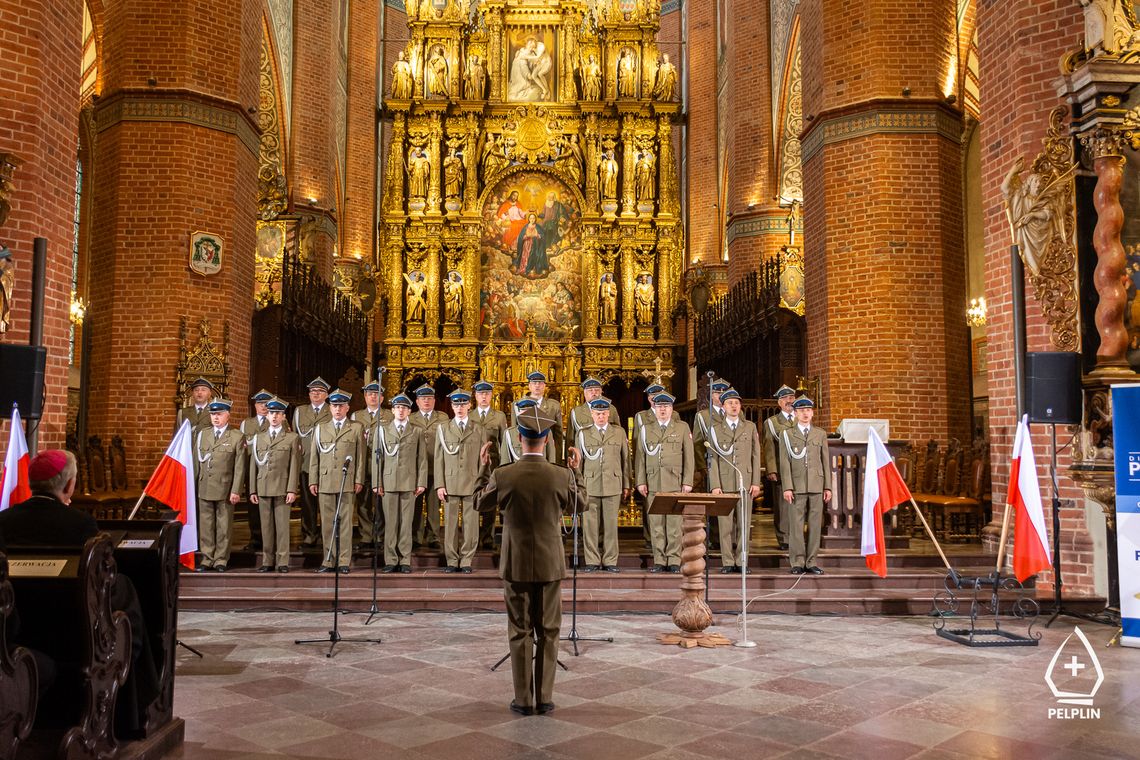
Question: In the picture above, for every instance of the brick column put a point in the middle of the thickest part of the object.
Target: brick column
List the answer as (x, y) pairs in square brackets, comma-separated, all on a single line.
[(702, 133), (883, 234), (176, 152), (1018, 91), (360, 200), (39, 125)]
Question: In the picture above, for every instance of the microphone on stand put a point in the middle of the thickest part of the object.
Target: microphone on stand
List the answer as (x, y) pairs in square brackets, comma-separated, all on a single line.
[(347, 462), (730, 463)]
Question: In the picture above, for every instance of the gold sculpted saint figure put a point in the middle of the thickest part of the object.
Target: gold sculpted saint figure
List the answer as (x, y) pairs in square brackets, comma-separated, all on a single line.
[(403, 81), (437, 73), (1036, 210), (665, 87), (419, 172), (7, 286), (417, 306), (643, 299), (475, 79), (627, 74), (608, 171), (591, 79), (453, 298), (453, 174), (607, 299), (643, 176)]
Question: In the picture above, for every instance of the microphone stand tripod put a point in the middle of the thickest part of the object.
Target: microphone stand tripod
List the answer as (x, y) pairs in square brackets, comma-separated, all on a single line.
[(574, 637), (334, 636)]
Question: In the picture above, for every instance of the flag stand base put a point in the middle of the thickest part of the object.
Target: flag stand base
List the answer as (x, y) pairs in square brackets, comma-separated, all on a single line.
[(984, 595)]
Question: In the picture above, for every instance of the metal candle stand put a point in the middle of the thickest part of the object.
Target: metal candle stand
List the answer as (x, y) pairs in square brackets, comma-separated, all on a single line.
[(984, 594)]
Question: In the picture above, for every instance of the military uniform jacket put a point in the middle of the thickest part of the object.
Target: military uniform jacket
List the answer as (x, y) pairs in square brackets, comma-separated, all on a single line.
[(219, 464), (805, 464), (305, 418), (647, 417), (457, 456), (663, 458), (701, 427), (199, 418), (510, 450), (771, 430), (495, 422), (741, 447), (604, 468), (582, 418), (275, 464), (369, 420), (531, 495), (250, 427), (551, 409), (402, 464), (328, 452), (427, 429)]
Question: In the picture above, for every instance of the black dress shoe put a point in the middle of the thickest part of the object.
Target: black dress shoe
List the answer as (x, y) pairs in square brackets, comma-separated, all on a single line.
[(744, 570), (797, 570), (815, 570), (282, 569), (657, 569), (323, 569), (521, 709), (451, 569), (465, 570), (220, 568), (611, 568), (781, 546), (388, 569), (674, 568), (589, 568), (265, 569), (405, 568), (202, 568), (726, 570), (343, 569), (544, 707)]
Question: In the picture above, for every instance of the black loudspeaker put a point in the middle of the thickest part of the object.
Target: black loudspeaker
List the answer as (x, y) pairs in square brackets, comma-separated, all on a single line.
[(22, 380), (1053, 387)]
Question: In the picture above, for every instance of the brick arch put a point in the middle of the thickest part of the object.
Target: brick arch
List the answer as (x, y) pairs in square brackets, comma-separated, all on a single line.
[(98, 21)]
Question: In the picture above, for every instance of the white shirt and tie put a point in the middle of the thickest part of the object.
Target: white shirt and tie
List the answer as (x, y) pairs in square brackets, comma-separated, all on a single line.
[(732, 423), (273, 431)]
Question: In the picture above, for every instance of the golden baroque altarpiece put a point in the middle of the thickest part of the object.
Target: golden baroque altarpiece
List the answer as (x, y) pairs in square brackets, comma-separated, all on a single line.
[(531, 214)]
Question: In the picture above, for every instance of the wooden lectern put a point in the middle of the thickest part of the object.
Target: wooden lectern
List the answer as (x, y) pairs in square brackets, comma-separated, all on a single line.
[(691, 614)]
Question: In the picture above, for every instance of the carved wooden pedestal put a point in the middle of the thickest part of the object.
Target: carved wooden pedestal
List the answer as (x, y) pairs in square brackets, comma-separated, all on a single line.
[(691, 614)]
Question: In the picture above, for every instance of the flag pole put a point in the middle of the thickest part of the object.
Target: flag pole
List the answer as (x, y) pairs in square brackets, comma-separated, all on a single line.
[(1004, 537), (930, 533), (137, 505)]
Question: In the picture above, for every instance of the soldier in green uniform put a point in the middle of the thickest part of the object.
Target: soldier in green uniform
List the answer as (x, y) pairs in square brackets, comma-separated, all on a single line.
[(805, 472), (427, 418), (706, 418), (532, 495), (771, 429), (250, 427), (399, 475), (511, 448), (640, 420), (201, 391), (663, 462), (372, 415), (582, 417), (305, 420), (219, 464), (457, 448), (601, 457), (734, 440), (495, 423), (547, 407), (338, 456), (274, 483)]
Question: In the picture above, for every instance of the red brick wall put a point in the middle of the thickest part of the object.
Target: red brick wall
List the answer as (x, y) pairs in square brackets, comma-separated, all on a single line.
[(157, 182), (1020, 43), (39, 123), (361, 146)]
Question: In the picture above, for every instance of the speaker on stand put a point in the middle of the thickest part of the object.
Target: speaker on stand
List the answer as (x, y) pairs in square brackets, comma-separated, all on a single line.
[(22, 379)]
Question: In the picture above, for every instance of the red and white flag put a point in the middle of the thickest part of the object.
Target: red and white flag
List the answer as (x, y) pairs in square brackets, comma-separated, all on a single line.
[(15, 485), (173, 484), (1030, 541), (883, 490)]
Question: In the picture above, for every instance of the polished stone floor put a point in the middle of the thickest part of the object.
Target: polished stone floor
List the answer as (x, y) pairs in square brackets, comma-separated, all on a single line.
[(815, 687)]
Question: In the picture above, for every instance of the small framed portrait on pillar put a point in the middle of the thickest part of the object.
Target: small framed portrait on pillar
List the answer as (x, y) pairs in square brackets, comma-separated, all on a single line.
[(206, 251)]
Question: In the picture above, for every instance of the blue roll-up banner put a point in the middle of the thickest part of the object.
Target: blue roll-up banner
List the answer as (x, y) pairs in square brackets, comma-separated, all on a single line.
[(1126, 439)]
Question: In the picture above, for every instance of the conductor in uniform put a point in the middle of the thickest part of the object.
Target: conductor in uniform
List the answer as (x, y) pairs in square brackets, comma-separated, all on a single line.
[(772, 428), (338, 456), (734, 440), (274, 483), (532, 495), (805, 471), (220, 461)]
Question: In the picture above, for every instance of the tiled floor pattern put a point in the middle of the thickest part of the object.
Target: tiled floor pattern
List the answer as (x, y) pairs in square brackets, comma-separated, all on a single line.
[(815, 687)]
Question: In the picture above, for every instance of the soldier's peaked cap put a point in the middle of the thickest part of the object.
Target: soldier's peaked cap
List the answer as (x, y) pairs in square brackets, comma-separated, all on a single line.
[(320, 384)]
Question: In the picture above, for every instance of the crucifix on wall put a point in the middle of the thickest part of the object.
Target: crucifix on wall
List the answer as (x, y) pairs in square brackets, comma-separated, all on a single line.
[(656, 374)]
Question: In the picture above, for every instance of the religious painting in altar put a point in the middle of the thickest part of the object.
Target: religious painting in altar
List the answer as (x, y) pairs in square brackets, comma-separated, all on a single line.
[(532, 76), (531, 258)]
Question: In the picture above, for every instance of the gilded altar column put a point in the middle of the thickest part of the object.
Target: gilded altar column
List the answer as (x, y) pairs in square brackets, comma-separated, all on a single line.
[(471, 157), (666, 169), (1106, 148), (628, 288), (472, 285), (394, 190), (435, 135), (434, 281), (394, 262), (591, 167), (628, 156), (496, 56), (666, 284), (590, 286)]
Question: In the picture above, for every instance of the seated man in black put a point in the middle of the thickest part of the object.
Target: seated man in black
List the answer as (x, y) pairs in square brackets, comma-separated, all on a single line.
[(47, 520)]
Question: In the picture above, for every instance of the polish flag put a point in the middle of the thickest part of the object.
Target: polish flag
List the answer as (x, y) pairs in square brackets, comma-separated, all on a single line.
[(173, 484), (1030, 541), (883, 490), (14, 483)]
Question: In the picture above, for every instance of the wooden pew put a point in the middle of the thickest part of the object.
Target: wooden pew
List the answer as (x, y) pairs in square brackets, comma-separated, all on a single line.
[(18, 677), (147, 553), (952, 492), (63, 595)]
